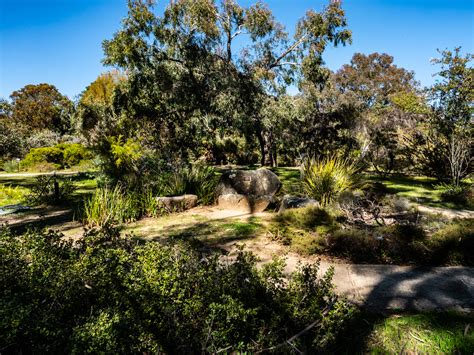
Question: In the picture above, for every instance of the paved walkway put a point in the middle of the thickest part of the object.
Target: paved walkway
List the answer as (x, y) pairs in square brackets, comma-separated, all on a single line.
[(386, 287)]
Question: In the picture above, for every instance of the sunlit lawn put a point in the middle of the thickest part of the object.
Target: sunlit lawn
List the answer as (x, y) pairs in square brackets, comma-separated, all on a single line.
[(15, 189), (422, 334)]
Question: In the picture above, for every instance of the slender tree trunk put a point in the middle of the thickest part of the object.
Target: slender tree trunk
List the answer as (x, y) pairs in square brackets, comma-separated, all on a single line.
[(261, 142)]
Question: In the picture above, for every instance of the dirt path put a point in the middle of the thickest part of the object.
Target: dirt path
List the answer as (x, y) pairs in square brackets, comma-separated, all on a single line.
[(446, 212)]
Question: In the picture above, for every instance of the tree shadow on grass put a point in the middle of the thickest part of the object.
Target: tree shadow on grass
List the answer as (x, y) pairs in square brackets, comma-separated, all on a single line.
[(212, 234), (442, 297)]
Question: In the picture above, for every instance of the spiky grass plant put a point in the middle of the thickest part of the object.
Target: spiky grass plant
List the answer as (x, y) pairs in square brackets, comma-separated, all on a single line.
[(325, 179), (111, 205)]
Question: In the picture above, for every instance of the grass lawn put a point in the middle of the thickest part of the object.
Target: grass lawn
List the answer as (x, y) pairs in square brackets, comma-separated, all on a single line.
[(417, 189), (430, 333), (14, 188)]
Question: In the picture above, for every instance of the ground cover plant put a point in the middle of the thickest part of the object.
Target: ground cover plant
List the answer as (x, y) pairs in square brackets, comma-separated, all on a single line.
[(108, 293), (396, 333), (429, 241), (12, 195)]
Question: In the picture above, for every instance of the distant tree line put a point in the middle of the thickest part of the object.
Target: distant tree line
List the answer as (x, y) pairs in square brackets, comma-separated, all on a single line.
[(208, 80)]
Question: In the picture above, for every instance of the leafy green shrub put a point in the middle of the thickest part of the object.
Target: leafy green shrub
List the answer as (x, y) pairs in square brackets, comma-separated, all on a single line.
[(325, 179), (60, 156), (109, 294), (462, 194)]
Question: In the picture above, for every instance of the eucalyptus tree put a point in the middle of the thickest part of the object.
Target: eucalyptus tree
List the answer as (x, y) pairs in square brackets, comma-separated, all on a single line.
[(388, 102), (206, 67)]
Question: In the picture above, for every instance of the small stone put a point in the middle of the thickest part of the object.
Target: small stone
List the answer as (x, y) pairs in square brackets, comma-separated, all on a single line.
[(290, 202)]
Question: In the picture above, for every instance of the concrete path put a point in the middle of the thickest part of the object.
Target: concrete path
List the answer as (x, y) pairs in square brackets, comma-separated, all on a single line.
[(387, 287)]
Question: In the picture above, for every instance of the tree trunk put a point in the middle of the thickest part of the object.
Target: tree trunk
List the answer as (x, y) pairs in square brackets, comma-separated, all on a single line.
[(261, 142)]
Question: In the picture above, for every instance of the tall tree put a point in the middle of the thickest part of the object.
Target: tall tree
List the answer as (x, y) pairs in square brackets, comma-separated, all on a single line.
[(41, 106), (189, 63), (380, 90)]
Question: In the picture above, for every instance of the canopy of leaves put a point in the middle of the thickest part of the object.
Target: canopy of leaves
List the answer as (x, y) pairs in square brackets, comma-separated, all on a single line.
[(41, 106)]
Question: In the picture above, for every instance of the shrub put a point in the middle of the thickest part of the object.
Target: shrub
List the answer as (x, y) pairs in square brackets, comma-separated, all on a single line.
[(462, 194), (453, 244), (115, 295), (11, 166), (325, 179), (60, 156), (10, 195)]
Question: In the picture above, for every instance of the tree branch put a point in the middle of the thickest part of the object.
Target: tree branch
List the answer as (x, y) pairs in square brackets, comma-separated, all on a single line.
[(288, 51)]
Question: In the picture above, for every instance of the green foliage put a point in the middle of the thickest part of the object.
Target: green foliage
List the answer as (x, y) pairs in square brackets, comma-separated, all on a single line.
[(42, 106), (113, 294), (326, 178), (398, 244), (184, 95), (11, 166), (111, 205), (453, 243), (197, 179), (11, 195), (60, 156), (118, 205), (303, 229), (462, 195), (429, 333)]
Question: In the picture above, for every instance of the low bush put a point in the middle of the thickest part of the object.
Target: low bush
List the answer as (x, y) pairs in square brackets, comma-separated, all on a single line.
[(426, 241), (325, 179), (303, 229), (109, 294), (10, 195), (395, 244), (453, 244), (60, 156), (462, 195), (11, 166)]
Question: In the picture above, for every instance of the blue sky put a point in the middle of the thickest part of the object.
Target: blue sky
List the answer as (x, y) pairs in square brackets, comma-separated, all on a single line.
[(59, 41)]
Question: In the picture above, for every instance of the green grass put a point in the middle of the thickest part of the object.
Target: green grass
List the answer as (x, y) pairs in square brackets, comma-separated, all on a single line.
[(423, 334), (418, 189), (196, 227)]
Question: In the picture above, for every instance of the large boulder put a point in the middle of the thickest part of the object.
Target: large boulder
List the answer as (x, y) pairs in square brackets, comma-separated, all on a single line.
[(249, 191), (290, 202), (261, 182), (177, 203), (247, 204)]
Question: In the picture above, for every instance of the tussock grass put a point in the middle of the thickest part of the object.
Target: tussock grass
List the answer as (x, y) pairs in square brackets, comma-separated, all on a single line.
[(325, 179)]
